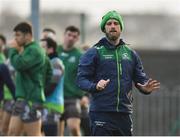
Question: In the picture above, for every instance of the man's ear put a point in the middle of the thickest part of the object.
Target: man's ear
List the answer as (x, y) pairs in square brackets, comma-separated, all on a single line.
[(104, 30)]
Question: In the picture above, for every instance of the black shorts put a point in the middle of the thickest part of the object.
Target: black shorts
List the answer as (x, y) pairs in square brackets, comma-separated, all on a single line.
[(26, 112), (50, 118), (8, 105), (72, 109)]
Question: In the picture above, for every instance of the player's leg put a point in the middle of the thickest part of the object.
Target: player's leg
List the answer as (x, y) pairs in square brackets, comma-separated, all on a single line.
[(33, 128), (85, 122), (5, 122), (1, 115), (74, 126), (100, 125), (32, 120), (7, 111), (73, 115), (50, 123), (16, 124), (61, 126), (126, 126)]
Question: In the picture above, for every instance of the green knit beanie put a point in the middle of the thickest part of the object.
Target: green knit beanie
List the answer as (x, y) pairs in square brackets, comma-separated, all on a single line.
[(112, 15)]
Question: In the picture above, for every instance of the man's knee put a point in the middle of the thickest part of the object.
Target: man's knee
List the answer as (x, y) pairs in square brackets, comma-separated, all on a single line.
[(5, 122), (73, 127)]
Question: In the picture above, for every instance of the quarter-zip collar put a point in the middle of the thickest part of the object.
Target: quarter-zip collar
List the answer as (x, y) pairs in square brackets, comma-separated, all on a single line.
[(108, 45)]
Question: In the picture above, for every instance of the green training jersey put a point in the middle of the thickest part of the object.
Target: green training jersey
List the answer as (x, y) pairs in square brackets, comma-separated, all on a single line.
[(29, 66), (70, 60)]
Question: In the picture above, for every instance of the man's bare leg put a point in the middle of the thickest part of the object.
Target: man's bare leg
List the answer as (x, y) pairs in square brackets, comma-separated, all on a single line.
[(61, 126), (33, 128), (74, 126), (15, 126), (1, 115), (5, 122)]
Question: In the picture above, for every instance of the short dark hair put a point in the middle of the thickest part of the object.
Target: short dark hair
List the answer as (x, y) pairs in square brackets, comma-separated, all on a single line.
[(49, 30), (23, 27), (3, 38), (72, 29), (50, 43)]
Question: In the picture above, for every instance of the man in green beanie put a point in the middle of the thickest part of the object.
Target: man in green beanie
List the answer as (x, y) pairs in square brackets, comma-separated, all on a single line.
[(108, 71)]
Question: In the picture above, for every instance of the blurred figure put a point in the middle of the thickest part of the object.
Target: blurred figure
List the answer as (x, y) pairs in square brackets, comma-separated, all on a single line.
[(28, 59), (107, 71), (7, 95), (70, 55), (85, 122), (7, 89), (54, 104), (2, 47), (2, 60), (49, 33)]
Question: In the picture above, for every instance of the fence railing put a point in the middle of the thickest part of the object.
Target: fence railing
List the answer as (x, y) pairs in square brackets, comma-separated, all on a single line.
[(158, 113)]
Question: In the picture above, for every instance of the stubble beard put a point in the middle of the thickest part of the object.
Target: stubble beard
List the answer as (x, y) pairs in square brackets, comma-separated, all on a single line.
[(112, 37)]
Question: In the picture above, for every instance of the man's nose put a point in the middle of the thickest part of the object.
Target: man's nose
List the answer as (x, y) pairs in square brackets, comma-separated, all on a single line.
[(112, 25)]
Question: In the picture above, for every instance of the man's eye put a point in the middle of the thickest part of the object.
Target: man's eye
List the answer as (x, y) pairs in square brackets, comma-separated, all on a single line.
[(116, 23)]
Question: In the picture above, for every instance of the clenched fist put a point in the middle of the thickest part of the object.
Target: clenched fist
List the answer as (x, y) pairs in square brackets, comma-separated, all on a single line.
[(102, 84)]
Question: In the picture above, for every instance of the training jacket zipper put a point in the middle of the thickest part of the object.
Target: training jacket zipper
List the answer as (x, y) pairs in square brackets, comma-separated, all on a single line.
[(119, 73)]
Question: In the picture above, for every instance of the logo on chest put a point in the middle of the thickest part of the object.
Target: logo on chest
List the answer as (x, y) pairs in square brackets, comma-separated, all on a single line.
[(108, 56), (72, 59), (63, 54), (126, 56)]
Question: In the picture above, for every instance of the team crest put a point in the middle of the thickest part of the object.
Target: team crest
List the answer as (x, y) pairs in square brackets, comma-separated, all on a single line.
[(125, 56), (72, 59)]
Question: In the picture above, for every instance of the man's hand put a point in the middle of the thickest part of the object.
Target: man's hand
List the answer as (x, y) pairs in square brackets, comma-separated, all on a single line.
[(13, 44), (102, 84), (149, 86)]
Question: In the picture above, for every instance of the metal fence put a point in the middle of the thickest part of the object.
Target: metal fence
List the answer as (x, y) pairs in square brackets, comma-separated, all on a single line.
[(158, 113)]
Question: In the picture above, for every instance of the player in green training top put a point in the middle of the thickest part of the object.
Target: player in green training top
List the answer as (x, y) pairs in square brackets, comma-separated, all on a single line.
[(28, 59), (70, 56)]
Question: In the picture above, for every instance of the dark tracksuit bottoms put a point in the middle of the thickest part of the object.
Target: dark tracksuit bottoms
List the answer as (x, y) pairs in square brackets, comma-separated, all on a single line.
[(111, 124)]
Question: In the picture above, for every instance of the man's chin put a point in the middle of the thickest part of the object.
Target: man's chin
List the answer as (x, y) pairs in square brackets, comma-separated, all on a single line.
[(113, 38), (69, 46)]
